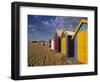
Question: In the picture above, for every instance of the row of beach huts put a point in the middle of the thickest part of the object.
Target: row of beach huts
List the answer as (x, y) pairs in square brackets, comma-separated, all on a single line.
[(71, 44)]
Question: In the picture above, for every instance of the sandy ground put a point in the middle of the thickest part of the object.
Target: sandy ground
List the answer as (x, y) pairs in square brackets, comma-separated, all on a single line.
[(39, 55)]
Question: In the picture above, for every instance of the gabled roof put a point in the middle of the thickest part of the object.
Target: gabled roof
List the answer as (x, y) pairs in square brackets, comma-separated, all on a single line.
[(78, 27), (58, 33), (64, 33), (69, 32)]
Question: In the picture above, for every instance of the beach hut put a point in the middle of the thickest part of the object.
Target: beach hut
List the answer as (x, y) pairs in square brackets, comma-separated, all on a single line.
[(64, 43), (41, 42), (57, 43), (52, 45), (82, 42), (71, 44), (46, 43), (49, 43), (82, 46), (67, 45)]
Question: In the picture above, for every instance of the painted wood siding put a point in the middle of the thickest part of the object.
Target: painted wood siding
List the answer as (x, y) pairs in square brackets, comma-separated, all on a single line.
[(70, 47), (52, 45), (82, 47), (56, 44), (75, 48), (64, 45)]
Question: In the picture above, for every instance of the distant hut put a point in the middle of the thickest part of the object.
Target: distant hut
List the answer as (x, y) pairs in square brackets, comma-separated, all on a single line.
[(57, 43), (52, 44), (42, 43), (49, 43), (46, 43)]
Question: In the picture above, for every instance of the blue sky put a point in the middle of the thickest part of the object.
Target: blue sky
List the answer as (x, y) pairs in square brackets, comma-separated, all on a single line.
[(41, 28)]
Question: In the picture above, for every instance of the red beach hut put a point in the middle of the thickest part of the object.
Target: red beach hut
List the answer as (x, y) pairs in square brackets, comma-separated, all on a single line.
[(57, 43)]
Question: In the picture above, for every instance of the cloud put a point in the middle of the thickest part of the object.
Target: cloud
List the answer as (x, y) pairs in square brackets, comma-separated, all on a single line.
[(52, 21), (31, 26), (33, 30), (59, 20), (67, 23), (45, 22)]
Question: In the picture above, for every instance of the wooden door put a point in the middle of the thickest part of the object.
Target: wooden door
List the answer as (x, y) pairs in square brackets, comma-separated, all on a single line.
[(82, 47), (70, 47), (64, 45)]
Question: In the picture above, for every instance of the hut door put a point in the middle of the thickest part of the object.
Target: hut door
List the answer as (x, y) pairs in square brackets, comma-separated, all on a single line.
[(64, 47), (70, 47), (64, 44), (82, 47)]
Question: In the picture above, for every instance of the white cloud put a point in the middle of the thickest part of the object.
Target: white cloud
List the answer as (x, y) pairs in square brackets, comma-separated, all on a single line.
[(45, 22), (33, 30)]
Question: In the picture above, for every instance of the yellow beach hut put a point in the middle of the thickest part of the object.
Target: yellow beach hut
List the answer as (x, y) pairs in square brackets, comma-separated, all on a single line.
[(82, 47), (67, 45), (64, 43), (82, 42)]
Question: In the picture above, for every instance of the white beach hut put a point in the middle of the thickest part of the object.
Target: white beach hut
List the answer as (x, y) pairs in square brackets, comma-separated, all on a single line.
[(52, 44)]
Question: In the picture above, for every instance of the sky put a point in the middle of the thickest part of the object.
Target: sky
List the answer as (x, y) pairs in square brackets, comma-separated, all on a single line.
[(42, 28)]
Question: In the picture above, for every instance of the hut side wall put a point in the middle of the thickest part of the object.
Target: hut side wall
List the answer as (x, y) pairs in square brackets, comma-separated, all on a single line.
[(75, 48)]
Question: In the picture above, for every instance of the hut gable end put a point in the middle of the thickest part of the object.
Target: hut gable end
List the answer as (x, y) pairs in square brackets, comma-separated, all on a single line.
[(64, 34)]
